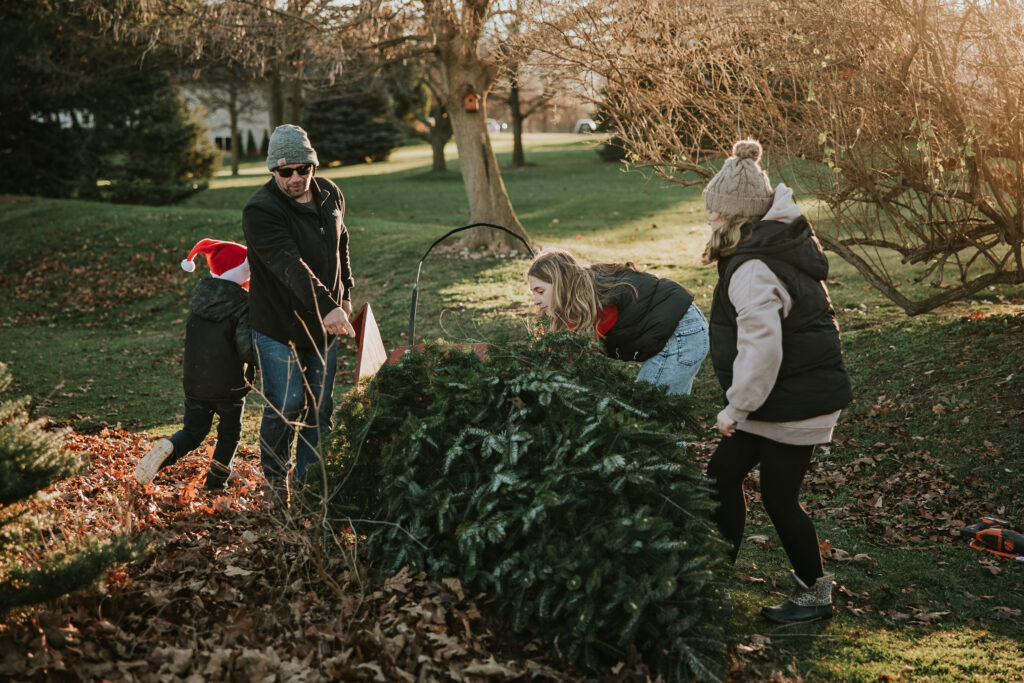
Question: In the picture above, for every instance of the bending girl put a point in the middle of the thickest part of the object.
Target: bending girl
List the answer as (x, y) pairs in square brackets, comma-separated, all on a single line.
[(638, 317)]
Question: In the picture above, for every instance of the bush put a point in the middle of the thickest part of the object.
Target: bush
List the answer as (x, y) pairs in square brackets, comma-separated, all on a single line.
[(31, 459), (546, 475)]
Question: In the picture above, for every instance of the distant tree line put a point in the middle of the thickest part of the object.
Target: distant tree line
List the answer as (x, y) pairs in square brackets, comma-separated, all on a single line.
[(90, 116), (86, 116)]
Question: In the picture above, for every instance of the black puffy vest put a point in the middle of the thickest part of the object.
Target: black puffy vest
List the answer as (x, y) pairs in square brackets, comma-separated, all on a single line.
[(650, 309), (812, 379)]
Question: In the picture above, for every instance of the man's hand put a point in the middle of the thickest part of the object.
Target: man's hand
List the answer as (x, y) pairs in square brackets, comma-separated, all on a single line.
[(336, 322), (726, 425), (346, 305)]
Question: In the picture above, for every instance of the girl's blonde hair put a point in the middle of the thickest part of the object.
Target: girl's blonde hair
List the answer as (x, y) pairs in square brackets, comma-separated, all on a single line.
[(726, 238), (577, 295)]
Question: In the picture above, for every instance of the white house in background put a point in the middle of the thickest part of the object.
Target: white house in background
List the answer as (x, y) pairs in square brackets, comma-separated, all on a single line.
[(253, 118)]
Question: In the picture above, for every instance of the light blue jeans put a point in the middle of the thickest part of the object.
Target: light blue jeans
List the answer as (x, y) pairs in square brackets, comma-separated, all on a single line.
[(297, 385), (677, 363)]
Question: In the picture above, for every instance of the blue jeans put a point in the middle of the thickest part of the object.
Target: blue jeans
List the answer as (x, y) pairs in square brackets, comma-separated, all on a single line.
[(677, 363), (198, 420), (297, 385)]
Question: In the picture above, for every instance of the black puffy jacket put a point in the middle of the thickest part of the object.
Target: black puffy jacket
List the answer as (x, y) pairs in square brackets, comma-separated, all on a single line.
[(299, 260), (218, 343)]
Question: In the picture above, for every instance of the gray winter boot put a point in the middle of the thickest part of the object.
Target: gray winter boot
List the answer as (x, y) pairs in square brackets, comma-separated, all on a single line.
[(807, 603)]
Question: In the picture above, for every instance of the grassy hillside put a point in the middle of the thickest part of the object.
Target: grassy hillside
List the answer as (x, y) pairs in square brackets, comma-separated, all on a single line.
[(92, 324)]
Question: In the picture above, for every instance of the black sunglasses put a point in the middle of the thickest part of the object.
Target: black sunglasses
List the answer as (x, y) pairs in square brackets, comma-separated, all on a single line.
[(301, 170)]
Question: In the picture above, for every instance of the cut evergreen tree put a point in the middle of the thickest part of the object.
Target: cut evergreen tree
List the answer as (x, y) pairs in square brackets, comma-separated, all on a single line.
[(31, 459), (548, 476)]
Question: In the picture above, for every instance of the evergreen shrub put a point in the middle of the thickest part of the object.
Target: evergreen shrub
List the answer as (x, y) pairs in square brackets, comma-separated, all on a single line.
[(351, 125), (31, 459), (548, 476), (251, 152)]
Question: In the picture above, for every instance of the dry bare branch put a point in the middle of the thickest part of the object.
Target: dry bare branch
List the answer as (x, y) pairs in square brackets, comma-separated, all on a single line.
[(903, 116)]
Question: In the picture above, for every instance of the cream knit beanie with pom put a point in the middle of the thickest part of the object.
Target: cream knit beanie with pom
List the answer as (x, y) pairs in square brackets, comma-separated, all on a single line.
[(741, 188)]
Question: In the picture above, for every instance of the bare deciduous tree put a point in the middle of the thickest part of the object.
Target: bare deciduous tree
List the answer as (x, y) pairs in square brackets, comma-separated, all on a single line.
[(462, 36), (432, 123), (526, 93), (287, 44), (230, 89), (907, 113)]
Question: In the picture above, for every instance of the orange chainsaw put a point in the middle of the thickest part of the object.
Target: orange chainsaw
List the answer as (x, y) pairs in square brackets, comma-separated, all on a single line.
[(992, 535)]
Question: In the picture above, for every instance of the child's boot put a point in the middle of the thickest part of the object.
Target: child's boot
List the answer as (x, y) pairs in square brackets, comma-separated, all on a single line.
[(217, 477), (151, 462), (807, 603)]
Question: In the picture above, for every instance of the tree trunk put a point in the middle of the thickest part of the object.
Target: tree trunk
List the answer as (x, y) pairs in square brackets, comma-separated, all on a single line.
[(439, 135), (438, 165), (464, 70), (515, 108), (236, 138), (293, 101), (437, 143), (485, 189), (284, 99), (275, 100)]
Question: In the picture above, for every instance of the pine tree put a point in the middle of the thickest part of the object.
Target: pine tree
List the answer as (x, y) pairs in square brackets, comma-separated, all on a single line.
[(250, 146), (351, 126), (95, 119), (31, 459)]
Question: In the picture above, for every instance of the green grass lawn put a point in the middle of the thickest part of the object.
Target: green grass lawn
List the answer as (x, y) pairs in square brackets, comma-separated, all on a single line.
[(93, 320)]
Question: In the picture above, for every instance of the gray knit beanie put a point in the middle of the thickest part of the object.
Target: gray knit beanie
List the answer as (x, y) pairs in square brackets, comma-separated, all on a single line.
[(290, 145), (741, 188)]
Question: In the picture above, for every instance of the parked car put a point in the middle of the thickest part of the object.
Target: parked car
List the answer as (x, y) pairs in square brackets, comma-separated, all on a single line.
[(494, 126), (584, 126)]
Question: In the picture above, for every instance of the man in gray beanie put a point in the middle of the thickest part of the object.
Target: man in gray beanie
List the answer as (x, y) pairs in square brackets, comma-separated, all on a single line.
[(299, 301)]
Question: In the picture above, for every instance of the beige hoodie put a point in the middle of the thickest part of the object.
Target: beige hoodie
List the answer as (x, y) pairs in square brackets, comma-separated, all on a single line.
[(761, 302)]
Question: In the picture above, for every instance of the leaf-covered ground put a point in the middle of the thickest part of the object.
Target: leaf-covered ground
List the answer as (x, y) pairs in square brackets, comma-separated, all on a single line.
[(233, 591)]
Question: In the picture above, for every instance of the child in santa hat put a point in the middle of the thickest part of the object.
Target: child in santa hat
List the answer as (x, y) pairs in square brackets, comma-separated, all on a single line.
[(218, 364)]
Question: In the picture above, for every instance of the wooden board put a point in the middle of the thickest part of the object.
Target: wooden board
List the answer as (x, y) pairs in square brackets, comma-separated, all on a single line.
[(372, 354)]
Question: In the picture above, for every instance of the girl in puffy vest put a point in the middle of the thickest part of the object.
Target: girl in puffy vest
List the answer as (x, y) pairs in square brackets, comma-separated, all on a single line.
[(637, 316), (776, 352)]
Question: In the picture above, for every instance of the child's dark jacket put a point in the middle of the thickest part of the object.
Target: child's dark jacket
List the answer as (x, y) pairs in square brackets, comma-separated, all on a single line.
[(218, 343)]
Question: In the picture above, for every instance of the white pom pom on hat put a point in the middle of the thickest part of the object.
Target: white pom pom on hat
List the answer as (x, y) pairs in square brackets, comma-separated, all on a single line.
[(227, 260), (747, 149)]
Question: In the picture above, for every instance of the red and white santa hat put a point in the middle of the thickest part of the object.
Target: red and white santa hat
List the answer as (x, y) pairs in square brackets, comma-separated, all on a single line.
[(227, 260)]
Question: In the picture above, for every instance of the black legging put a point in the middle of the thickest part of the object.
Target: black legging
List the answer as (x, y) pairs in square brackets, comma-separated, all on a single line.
[(782, 471)]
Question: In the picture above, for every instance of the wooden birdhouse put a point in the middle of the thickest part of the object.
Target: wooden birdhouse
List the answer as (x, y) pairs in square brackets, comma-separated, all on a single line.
[(471, 102)]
